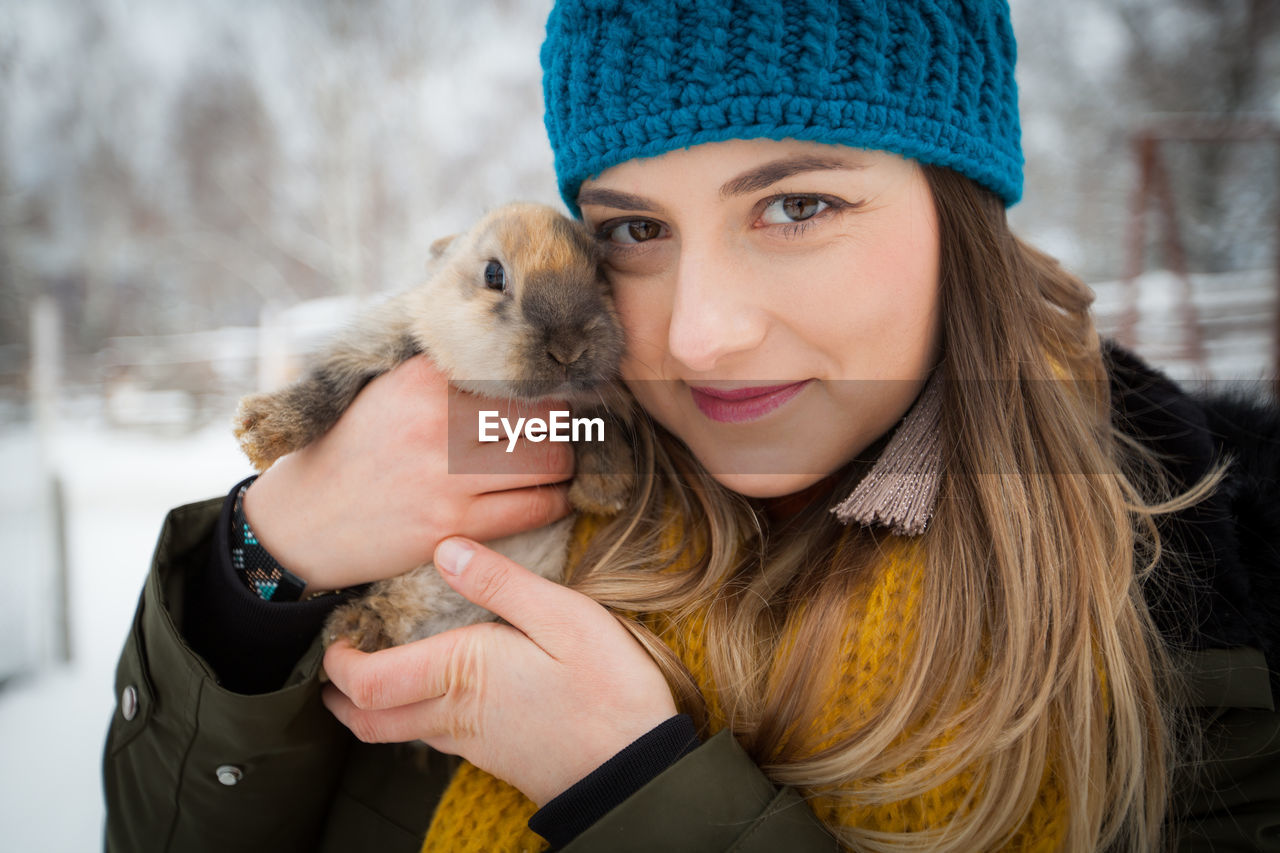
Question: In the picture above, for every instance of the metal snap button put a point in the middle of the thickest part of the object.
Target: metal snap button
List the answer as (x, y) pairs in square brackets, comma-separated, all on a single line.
[(229, 774), (129, 702)]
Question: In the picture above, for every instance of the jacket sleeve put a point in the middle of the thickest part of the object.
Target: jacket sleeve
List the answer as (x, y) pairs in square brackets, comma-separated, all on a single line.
[(714, 798), (191, 766), (1232, 795)]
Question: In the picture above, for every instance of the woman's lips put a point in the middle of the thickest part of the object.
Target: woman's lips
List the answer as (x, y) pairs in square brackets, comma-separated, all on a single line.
[(737, 405)]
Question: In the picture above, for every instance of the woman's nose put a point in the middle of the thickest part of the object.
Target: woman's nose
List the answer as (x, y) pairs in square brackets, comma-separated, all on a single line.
[(714, 311)]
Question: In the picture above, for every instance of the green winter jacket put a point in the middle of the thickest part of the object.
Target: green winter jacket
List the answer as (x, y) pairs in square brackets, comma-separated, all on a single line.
[(190, 766), (300, 781)]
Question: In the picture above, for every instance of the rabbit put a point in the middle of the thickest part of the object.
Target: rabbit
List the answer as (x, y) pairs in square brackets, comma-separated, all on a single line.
[(516, 307)]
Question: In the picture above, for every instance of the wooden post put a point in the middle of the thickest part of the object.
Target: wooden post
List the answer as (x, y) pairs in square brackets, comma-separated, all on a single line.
[(46, 379), (1275, 333), (1143, 145), (46, 370), (1176, 257)]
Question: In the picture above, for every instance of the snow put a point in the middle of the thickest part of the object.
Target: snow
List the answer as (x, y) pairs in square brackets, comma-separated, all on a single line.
[(119, 485), (1236, 314)]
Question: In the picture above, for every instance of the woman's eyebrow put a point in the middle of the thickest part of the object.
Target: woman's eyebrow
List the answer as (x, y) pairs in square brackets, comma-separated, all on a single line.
[(755, 179), (770, 173), (613, 198)]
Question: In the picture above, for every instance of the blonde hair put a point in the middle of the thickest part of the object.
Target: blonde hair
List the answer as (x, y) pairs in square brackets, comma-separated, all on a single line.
[(1042, 534)]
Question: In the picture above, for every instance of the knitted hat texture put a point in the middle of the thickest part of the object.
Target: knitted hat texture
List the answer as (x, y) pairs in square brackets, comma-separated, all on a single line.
[(931, 80)]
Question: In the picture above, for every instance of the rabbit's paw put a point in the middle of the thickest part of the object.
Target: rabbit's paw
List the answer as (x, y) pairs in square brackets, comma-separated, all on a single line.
[(601, 494), (267, 428), (358, 624)]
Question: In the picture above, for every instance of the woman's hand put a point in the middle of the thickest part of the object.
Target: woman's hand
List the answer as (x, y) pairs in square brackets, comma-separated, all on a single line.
[(539, 703), (372, 497)]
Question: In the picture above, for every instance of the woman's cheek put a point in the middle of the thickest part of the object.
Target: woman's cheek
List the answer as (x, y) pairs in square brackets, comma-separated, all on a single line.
[(642, 311), (644, 320)]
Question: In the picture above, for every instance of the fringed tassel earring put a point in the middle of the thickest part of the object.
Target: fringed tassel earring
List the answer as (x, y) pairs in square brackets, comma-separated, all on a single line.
[(901, 489)]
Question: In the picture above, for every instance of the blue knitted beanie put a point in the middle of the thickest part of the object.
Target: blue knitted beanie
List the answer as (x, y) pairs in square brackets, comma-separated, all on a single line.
[(931, 80)]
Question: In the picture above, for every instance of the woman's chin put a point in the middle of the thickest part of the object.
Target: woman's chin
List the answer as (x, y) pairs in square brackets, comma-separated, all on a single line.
[(766, 485), (769, 468)]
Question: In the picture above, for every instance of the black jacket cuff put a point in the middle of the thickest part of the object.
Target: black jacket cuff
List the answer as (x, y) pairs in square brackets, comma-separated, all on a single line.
[(591, 798), (252, 645)]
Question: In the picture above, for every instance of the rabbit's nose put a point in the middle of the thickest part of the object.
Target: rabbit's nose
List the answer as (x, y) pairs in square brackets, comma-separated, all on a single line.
[(566, 349)]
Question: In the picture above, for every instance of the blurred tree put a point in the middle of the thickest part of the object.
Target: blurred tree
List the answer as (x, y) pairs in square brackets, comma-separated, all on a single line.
[(1092, 72), (1219, 58), (1202, 55), (224, 143)]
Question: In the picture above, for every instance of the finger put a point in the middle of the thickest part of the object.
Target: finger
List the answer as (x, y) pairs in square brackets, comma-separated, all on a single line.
[(391, 725), (534, 457), (556, 618), (498, 514), (489, 468), (400, 675)]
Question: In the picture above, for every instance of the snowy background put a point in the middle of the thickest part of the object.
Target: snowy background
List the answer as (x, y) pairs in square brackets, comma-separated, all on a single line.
[(191, 193)]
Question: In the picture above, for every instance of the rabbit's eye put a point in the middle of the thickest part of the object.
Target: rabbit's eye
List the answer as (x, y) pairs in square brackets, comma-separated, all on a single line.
[(495, 277)]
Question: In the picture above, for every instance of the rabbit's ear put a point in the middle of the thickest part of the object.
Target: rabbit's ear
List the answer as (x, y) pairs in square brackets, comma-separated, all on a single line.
[(439, 246)]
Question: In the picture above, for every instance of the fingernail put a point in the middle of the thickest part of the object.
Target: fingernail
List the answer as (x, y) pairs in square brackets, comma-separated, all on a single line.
[(453, 555)]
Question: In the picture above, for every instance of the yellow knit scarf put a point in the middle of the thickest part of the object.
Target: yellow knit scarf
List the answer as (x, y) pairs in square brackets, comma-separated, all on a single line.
[(481, 814)]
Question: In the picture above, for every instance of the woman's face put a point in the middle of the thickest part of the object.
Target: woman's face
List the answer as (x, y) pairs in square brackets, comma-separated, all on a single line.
[(780, 300)]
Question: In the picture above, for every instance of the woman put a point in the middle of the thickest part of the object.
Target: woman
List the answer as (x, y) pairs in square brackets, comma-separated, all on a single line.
[(801, 211)]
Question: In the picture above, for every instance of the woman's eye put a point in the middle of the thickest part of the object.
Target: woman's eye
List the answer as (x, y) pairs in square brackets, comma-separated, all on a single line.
[(792, 208), (634, 231), (495, 277)]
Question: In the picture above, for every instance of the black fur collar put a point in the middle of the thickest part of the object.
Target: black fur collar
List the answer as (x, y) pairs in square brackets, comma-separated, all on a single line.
[(1221, 588)]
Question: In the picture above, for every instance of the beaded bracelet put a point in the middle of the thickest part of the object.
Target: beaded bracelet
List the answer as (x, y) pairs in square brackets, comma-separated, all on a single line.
[(254, 565)]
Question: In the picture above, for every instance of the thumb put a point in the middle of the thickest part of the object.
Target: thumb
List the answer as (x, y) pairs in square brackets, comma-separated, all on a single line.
[(553, 616)]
